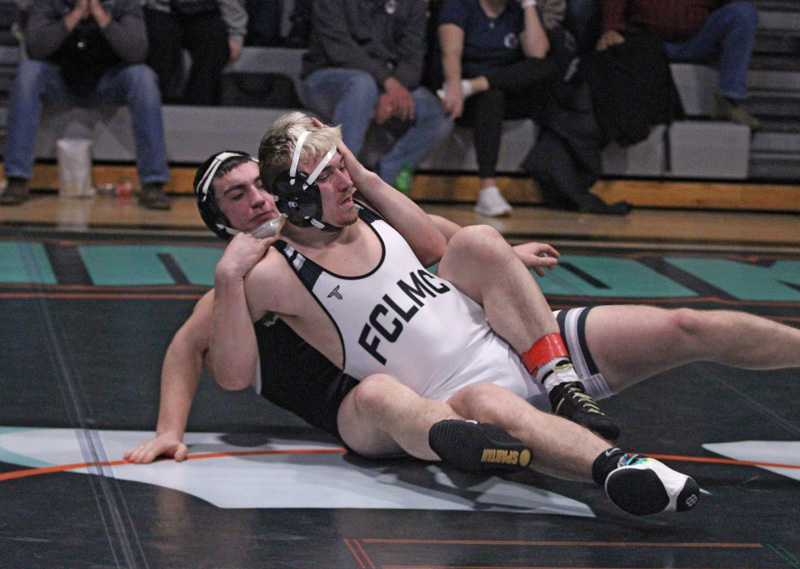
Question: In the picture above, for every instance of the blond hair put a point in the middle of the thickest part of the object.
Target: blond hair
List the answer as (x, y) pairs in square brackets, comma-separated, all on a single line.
[(277, 146)]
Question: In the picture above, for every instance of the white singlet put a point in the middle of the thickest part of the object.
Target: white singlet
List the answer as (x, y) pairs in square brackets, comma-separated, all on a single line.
[(404, 321)]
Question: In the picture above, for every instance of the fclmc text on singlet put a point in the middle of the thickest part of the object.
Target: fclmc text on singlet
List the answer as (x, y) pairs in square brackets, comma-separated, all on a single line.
[(383, 321)]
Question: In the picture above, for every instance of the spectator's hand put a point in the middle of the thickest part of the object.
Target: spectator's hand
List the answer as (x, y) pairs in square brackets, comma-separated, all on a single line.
[(537, 256), (384, 109), (166, 444), (78, 13), (453, 102), (609, 38), (235, 51), (402, 101), (101, 16)]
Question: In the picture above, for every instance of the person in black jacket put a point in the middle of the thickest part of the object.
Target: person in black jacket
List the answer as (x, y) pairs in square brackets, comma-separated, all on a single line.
[(212, 31)]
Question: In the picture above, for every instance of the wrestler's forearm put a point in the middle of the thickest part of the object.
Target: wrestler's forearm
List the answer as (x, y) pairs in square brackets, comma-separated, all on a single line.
[(233, 350), (401, 212), (448, 228), (180, 376)]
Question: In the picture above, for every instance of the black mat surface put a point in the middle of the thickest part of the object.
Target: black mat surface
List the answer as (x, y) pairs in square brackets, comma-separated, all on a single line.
[(78, 355)]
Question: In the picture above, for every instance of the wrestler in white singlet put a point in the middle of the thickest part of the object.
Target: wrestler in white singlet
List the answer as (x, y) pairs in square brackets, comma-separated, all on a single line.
[(402, 320)]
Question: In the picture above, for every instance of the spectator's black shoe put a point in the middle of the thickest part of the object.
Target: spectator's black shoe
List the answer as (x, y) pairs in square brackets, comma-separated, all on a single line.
[(152, 196), (593, 204), (478, 447), (15, 193), (731, 110), (642, 486), (570, 400)]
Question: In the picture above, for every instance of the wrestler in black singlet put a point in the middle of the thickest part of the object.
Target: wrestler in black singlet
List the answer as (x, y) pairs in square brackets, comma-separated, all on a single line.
[(298, 378)]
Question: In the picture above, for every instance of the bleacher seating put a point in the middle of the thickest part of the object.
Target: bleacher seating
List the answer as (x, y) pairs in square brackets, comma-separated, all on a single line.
[(696, 148), (195, 132)]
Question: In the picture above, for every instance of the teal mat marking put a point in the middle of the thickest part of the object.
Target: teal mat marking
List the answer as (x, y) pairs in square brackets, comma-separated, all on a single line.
[(619, 277), (139, 265), (746, 281), (594, 276), (10, 457), (24, 262)]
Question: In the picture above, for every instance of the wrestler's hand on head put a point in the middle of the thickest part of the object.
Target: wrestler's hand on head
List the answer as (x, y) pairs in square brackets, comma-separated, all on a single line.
[(358, 172), (242, 254), (537, 256), (165, 444)]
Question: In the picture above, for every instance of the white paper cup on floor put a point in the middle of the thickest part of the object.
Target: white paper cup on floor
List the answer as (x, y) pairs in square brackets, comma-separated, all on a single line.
[(74, 156)]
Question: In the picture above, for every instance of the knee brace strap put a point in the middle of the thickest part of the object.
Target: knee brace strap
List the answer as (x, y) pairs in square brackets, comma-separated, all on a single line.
[(545, 349)]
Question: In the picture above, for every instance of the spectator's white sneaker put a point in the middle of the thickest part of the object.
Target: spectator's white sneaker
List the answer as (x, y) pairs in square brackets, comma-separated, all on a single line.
[(491, 203)]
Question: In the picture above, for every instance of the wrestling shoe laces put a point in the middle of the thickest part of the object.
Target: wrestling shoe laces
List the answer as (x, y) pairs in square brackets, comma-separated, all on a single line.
[(643, 485), (569, 400), (478, 447)]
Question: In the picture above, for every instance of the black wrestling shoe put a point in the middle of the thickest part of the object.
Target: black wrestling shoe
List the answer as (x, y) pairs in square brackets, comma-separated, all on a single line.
[(570, 400), (642, 486), (478, 447)]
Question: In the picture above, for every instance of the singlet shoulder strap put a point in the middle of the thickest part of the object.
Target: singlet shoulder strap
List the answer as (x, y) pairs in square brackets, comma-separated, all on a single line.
[(367, 214), (307, 270)]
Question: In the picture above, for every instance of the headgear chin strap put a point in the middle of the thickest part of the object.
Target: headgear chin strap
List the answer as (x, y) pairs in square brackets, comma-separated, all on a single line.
[(297, 194)]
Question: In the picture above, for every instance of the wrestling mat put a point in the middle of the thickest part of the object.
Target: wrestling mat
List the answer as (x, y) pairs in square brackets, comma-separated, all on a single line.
[(86, 319)]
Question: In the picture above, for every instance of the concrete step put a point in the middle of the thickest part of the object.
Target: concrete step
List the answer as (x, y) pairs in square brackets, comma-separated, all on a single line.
[(774, 169), (771, 80), (777, 106), (779, 20), (778, 5), (780, 44)]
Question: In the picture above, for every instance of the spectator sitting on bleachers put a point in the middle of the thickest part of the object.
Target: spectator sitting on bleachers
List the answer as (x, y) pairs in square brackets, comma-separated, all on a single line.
[(365, 62), (264, 21), (696, 31), (300, 32), (582, 21), (212, 31), (499, 58), (82, 55)]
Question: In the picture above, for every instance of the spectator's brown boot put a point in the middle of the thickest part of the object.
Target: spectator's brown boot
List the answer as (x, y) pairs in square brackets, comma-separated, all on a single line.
[(15, 193), (152, 196), (730, 110)]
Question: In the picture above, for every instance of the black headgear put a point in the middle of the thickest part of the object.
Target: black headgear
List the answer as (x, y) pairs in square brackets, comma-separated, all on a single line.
[(297, 194), (212, 216)]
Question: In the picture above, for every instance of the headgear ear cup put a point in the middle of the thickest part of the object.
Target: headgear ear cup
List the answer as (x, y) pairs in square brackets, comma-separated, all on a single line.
[(297, 194), (298, 201)]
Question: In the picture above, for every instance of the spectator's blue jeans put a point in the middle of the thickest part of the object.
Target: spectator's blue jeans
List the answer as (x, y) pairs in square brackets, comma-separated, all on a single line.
[(726, 38), (348, 97), (39, 83)]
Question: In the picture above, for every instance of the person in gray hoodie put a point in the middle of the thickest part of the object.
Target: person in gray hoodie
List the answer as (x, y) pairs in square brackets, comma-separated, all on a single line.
[(83, 53), (364, 64)]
